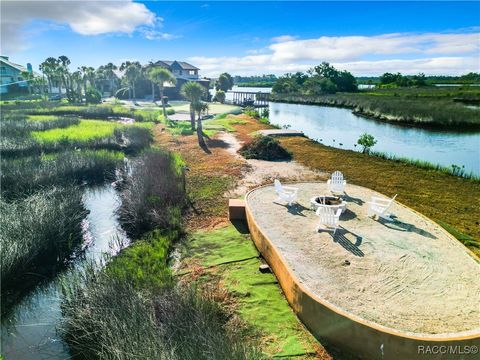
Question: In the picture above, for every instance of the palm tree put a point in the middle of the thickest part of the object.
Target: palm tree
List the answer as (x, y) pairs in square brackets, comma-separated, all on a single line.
[(132, 73), (108, 73), (65, 76), (193, 92), (147, 69), (49, 68), (200, 107), (160, 76)]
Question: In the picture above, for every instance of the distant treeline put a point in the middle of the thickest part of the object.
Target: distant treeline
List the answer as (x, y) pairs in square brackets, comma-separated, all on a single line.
[(470, 78), (255, 81)]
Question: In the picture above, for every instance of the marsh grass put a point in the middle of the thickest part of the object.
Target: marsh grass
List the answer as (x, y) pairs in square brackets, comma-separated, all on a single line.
[(152, 193), (454, 170), (108, 318), (84, 131), (88, 134), (38, 234), (102, 111), (19, 126), (23, 176)]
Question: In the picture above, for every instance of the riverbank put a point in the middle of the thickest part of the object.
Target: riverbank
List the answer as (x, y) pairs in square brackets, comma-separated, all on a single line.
[(434, 108)]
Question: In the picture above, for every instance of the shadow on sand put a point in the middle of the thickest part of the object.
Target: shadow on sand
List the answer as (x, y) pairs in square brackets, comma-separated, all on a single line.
[(342, 239), (294, 209), (401, 226), (349, 198)]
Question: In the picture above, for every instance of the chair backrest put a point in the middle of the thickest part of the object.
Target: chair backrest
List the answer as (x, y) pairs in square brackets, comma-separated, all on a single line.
[(337, 178), (327, 215), (278, 186)]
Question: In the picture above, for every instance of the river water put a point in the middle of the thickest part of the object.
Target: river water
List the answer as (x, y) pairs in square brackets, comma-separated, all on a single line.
[(341, 128), (29, 331)]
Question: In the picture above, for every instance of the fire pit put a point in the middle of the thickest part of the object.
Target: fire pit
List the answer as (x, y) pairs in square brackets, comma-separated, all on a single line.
[(333, 202)]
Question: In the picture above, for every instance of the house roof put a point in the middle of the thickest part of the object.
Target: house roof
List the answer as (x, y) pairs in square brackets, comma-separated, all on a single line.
[(11, 64), (184, 65)]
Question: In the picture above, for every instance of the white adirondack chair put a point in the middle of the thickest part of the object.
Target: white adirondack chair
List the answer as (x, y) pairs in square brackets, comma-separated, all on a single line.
[(336, 184), (286, 193), (328, 218), (379, 206)]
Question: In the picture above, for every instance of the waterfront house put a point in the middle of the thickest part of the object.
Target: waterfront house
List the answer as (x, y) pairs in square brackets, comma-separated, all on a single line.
[(11, 76), (183, 73)]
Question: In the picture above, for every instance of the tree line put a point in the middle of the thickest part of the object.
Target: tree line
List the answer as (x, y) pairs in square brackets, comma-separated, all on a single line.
[(321, 79)]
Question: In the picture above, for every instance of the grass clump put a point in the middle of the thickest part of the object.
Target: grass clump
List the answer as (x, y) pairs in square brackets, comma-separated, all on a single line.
[(23, 176), (38, 234), (152, 194), (264, 148), (108, 318)]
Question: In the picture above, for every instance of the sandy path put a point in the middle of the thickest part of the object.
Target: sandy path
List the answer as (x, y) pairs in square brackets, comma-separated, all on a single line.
[(260, 172)]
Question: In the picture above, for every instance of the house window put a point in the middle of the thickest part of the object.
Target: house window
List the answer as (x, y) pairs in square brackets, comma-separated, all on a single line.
[(181, 72), (3, 70), (192, 72)]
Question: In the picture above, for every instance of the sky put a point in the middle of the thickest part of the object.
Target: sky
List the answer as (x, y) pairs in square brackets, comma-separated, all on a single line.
[(249, 38)]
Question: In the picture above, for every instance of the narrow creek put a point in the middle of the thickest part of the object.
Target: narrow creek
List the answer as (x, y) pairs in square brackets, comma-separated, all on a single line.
[(30, 330)]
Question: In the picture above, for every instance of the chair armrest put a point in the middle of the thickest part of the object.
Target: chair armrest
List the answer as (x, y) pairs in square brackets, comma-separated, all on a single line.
[(329, 181), (376, 204), (344, 182), (380, 200), (338, 213)]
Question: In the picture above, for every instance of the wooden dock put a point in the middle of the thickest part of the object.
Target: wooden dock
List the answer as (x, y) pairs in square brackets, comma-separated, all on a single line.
[(280, 132)]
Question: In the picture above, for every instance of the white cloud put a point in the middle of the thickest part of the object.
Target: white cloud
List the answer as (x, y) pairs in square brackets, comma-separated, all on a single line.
[(283, 38), (432, 53), (151, 34), (83, 17)]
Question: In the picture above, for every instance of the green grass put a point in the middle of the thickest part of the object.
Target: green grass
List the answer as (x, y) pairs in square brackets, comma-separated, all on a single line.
[(259, 300), (222, 123), (85, 131), (42, 117), (145, 263)]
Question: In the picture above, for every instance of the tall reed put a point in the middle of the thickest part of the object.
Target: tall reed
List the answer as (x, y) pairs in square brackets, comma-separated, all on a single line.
[(152, 193), (108, 318), (38, 234)]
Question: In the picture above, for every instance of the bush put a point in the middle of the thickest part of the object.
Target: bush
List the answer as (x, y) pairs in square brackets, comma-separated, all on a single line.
[(93, 96), (367, 141), (265, 148), (220, 96)]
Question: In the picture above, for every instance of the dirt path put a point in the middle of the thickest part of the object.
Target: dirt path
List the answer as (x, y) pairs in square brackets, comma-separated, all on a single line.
[(260, 172)]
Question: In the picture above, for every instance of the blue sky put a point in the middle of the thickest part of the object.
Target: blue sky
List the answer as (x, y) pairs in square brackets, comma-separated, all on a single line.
[(367, 38)]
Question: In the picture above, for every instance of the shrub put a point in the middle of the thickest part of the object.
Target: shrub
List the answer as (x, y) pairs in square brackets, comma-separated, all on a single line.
[(265, 148), (250, 111), (367, 141), (220, 96), (93, 96)]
